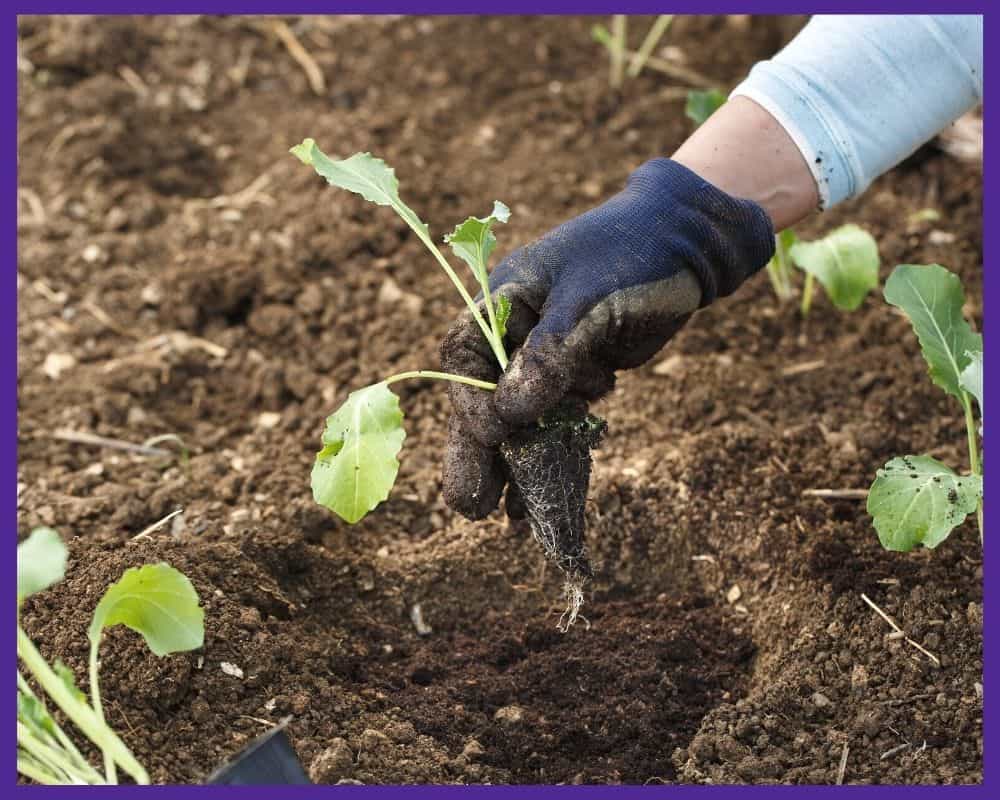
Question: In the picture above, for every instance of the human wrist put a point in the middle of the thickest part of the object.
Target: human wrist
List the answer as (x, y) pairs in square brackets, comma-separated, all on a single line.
[(744, 151)]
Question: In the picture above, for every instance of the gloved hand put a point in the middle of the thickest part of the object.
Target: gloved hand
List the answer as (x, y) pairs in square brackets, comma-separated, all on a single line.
[(602, 292)]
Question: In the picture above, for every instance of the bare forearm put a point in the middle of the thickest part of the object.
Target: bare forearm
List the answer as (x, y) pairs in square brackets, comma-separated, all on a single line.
[(743, 150)]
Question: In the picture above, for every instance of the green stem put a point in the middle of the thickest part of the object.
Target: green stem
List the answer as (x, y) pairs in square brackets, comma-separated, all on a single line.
[(618, 27), (80, 713), (495, 344), (56, 761), (807, 294), (975, 466), (441, 376), (656, 31), (61, 736), (36, 772), (95, 695)]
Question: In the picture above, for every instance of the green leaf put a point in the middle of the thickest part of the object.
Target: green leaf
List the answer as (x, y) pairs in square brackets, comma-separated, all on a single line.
[(156, 601), (32, 712), (599, 33), (702, 104), (357, 466), (932, 298), (845, 261), (41, 562), (971, 378), (503, 314), (69, 680), (918, 500), (362, 174), (473, 240)]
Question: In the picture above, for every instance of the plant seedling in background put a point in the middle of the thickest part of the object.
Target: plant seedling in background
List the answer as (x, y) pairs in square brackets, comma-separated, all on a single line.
[(357, 465), (917, 499), (702, 103), (155, 600), (845, 262)]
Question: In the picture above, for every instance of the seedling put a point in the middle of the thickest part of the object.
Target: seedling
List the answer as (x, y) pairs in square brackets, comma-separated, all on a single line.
[(845, 262), (615, 42), (917, 499), (701, 104), (357, 465), (155, 600)]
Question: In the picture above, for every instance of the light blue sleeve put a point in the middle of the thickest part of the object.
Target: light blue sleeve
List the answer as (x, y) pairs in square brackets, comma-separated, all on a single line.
[(858, 94)]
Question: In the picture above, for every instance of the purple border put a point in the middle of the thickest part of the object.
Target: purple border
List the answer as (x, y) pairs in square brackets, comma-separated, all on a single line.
[(8, 343)]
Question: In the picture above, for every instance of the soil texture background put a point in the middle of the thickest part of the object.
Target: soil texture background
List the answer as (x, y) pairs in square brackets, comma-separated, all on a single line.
[(180, 273)]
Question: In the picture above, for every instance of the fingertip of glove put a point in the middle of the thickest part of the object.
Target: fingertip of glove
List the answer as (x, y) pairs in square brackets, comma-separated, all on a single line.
[(536, 380), (473, 478)]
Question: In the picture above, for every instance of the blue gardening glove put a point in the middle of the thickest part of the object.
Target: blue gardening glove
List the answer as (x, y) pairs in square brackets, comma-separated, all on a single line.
[(602, 292)]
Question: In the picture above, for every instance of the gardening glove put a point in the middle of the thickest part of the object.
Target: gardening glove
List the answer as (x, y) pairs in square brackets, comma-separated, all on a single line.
[(602, 292)]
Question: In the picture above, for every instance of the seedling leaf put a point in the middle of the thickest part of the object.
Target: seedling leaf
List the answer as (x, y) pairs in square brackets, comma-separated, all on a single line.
[(362, 174), (69, 679), (845, 262), (357, 466), (41, 562), (932, 298), (702, 104), (971, 378), (156, 601), (918, 500), (473, 240), (32, 712)]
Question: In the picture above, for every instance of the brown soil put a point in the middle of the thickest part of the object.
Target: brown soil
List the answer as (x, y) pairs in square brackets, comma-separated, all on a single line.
[(168, 207)]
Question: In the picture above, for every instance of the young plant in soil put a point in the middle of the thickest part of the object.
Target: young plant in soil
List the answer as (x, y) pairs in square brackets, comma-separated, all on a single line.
[(917, 499), (155, 600), (844, 261), (549, 463)]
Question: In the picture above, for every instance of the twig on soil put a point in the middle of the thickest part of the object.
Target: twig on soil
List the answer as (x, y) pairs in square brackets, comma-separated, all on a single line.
[(843, 765), (837, 494), (264, 722), (690, 76), (890, 753), (91, 125), (653, 36), (82, 437), (164, 343), (899, 630), (295, 49), (106, 320), (30, 196), (805, 366), (144, 533), (133, 79)]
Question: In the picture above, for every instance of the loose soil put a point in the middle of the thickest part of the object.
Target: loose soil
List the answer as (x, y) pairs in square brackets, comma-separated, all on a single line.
[(726, 639)]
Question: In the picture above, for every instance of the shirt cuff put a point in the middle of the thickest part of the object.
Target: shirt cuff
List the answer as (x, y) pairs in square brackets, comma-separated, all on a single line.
[(828, 152)]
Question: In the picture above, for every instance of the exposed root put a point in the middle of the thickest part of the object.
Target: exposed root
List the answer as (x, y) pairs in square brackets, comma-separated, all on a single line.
[(573, 592)]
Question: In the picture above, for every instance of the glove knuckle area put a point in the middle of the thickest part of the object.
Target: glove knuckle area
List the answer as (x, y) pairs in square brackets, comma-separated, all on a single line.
[(473, 478), (536, 380)]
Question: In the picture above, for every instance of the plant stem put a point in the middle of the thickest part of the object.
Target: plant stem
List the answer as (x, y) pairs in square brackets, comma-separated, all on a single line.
[(441, 376), (619, 24), (79, 712), (488, 331), (95, 695), (656, 31), (975, 466), (49, 756), (36, 772), (807, 294), (63, 739)]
